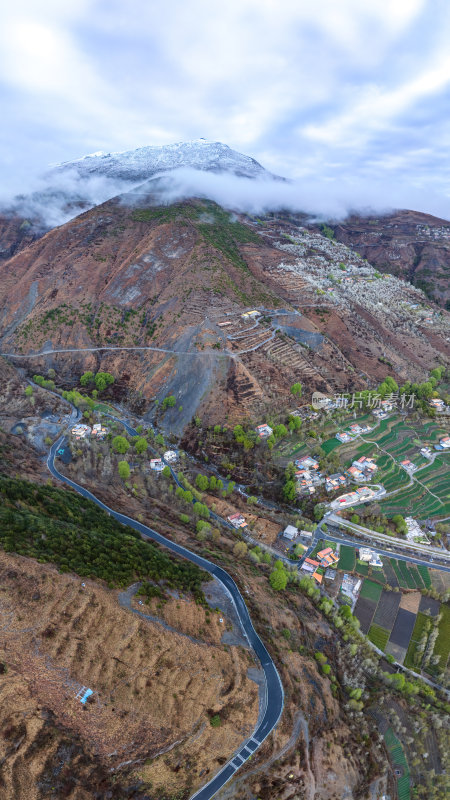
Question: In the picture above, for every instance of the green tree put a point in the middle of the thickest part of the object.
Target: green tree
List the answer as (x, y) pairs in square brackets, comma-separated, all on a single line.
[(120, 445), (279, 431), (86, 378), (240, 549), (140, 445), (124, 470), (289, 491), (166, 471), (159, 439), (102, 380), (296, 390), (168, 402), (29, 391), (202, 482), (278, 579)]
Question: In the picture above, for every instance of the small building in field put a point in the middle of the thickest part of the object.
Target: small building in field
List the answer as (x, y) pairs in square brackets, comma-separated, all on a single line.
[(445, 442), (156, 464)]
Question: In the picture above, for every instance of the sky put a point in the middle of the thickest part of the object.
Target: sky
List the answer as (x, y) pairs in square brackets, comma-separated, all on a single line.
[(349, 98)]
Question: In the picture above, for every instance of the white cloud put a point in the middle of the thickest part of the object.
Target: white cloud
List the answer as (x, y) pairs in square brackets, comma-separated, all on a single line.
[(319, 89)]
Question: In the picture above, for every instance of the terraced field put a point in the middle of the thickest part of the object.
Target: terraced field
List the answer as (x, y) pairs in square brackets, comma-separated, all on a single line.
[(397, 757), (430, 497)]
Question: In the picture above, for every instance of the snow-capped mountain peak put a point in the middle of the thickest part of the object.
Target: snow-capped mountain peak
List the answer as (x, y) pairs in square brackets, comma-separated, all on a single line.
[(145, 162)]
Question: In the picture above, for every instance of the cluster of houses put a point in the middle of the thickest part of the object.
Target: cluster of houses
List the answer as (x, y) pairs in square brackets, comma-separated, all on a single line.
[(335, 481), (361, 494), (355, 430), (99, 431), (82, 431), (363, 469), (307, 474), (383, 410), (325, 559), (158, 464), (444, 443), (425, 452)]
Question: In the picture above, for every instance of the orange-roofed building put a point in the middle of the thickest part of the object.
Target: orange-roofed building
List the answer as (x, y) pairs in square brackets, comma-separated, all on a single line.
[(318, 577), (324, 552)]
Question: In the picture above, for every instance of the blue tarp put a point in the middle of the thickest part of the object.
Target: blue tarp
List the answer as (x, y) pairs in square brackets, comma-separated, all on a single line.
[(87, 694)]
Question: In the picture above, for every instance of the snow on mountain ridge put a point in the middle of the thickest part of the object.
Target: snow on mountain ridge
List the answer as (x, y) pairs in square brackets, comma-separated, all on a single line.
[(144, 162)]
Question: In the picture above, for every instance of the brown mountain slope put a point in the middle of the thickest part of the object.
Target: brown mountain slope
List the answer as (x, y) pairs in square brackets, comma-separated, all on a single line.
[(408, 244), (176, 279)]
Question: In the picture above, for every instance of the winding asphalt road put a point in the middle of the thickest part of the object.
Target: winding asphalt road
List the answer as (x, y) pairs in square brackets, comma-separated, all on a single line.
[(274, 697)]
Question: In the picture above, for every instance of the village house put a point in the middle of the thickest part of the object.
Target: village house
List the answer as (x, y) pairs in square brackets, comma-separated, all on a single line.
[(408, 465), (290, 532), (437, 404), (170, 456), (264, 431), (307, 462), (380, 413), (156, 464), (344, 437), (445, 442), (237, 520), (425, 452), (309, 565), (368, 555)]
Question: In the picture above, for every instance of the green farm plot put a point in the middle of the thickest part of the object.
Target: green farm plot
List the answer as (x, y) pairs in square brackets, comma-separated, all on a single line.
[(371, 590), (416, 576), (362, 567), (329, 445), (399, 575), (411, 658), (379, 636), (398, 759), (442, 645), (424, 574), (346, 558)]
